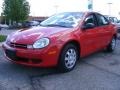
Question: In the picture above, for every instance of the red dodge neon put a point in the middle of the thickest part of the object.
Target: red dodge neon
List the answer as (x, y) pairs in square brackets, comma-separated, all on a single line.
[(61, 40)]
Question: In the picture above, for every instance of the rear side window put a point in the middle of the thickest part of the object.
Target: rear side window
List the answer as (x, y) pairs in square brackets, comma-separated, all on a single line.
[(115, 20), (102, 20)]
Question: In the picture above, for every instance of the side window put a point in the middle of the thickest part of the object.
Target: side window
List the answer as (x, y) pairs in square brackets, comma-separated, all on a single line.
[(102, 20), (90, 19), (115, 20), (111, 19)]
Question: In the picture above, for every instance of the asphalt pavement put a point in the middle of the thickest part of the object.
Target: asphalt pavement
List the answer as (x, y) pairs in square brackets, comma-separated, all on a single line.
[(6, 32)]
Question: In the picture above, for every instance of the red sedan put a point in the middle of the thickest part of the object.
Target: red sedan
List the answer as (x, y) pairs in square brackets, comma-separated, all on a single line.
[(61, 40)]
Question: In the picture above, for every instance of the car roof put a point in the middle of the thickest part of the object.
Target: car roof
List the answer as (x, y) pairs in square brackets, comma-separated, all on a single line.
[(82, 12)]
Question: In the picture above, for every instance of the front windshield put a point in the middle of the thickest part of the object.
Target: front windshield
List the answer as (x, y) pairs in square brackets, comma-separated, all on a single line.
[(67, 19)]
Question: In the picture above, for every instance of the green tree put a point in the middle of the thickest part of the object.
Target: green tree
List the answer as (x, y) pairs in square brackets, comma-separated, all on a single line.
[(16, 10)]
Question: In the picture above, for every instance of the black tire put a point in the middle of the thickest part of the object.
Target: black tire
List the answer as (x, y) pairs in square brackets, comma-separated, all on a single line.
[(112, 45), (70, 52)]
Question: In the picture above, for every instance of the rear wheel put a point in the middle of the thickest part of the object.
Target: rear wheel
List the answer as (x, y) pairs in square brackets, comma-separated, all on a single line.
[(112, 45), (68, 58)]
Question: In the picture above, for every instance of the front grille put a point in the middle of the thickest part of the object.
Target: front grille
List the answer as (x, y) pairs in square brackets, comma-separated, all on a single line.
[(12, 55), (15, 45), (27, 60)]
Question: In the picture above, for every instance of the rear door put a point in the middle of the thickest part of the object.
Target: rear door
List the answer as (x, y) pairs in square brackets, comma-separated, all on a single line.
[(104, 30)]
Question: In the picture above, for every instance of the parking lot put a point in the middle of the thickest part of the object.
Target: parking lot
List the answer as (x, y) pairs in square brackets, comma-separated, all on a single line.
[(99, 71)]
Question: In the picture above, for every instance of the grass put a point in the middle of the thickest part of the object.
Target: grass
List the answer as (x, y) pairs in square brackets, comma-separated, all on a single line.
[(2, 38)]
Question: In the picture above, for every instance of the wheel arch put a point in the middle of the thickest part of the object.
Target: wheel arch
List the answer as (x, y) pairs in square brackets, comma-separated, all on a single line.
[(60, 64), (74, 42)]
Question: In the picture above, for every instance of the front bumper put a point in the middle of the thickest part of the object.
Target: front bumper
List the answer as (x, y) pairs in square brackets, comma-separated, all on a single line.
[(32, 57)]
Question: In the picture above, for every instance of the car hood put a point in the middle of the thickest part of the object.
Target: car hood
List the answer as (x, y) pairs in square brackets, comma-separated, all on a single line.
[(29, 36)]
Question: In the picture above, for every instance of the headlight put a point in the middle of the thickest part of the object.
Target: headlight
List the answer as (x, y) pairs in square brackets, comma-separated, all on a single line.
[(41, 43)]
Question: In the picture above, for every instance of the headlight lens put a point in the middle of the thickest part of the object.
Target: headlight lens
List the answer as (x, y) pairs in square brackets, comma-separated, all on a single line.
[(41, 43)]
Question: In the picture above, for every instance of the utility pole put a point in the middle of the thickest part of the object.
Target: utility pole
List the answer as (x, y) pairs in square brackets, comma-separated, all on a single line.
[(0, 18), (109, 8), (90, 5)]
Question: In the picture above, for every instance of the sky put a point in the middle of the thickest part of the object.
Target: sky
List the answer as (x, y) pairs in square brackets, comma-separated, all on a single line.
[(50, 7)]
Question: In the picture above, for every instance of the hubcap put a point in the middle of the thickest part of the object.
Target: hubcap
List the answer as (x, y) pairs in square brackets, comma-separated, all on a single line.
[(70, 58), (113, 43)]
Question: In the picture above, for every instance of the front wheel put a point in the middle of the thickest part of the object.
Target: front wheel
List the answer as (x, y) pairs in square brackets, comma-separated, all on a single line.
[(112, 45), (68, 58)]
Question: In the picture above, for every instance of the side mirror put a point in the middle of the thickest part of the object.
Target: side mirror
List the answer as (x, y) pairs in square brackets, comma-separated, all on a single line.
[(88, 26)]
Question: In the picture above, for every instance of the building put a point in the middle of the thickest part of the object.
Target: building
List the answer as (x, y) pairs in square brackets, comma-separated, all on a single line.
[(36, 18)]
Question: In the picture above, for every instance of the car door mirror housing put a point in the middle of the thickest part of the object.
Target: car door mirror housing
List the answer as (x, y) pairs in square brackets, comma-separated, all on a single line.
[(88, 26)]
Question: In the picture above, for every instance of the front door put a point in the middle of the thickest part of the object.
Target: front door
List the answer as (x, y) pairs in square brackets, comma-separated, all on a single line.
[(89, 36)]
